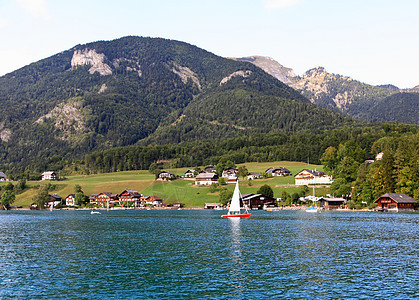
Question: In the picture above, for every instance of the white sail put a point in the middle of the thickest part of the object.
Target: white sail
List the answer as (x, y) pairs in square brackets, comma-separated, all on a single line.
[(235, 201)]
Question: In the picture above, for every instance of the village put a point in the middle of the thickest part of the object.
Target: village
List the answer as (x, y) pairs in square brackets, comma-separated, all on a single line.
[(132, 199)]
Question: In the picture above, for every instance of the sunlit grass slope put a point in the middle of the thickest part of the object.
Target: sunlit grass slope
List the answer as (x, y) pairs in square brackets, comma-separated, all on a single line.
[(175, 191)]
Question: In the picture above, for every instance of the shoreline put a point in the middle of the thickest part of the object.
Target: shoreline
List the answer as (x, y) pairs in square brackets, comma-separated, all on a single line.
[(288, 208)]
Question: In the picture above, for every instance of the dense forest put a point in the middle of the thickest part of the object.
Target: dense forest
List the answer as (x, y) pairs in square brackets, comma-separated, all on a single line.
[(395, 169), (307, 147)]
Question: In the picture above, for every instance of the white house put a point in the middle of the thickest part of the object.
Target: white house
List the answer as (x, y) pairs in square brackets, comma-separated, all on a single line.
[(70, 200), (189, 174), (306, 177), (50, 175), (230, 172), (280, 171), (206, 179), (154, 200), (253, 176), (166, 176), (3, 177)]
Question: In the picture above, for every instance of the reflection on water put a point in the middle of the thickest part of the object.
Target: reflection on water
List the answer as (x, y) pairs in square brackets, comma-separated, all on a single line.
[(237, 264), (197, 254)]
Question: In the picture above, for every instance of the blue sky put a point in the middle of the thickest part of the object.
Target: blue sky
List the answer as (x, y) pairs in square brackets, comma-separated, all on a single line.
[(372, 41)]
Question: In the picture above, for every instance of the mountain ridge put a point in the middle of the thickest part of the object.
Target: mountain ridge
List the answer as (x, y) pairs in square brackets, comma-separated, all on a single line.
[(137, 90), (342, 93)]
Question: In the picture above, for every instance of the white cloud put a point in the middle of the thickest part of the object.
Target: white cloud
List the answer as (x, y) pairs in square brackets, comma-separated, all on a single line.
[(274, 4), (37, 8)]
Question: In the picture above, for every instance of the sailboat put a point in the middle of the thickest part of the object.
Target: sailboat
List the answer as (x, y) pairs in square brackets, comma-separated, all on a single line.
[(234, 209), (313, 208)]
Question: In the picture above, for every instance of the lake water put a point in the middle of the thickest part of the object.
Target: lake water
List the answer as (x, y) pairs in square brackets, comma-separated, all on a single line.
[(195, 254)]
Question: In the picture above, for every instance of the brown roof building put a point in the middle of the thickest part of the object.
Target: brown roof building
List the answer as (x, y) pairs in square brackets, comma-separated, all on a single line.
[(395, 202)]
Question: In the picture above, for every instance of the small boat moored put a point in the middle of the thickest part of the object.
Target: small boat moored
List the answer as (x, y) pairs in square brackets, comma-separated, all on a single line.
[(95, 212), (311, 209)]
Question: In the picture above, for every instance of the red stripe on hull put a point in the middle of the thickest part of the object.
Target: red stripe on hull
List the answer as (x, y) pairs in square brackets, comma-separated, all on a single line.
[(236, 216)]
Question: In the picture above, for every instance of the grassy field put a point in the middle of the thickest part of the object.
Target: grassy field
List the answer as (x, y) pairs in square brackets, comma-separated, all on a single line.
[(176, 191)]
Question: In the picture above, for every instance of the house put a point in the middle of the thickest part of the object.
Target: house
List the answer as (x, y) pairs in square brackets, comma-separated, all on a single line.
[(206, 179), (166, 176), (154, 200), (129, 196), (103, 199), (210, 169), (70, 200), (230, 172), (256, 201), (379, 156), (213, 205), (50, 175), (177, 205), (143, 200), (332, 203), (54, 200), (395, 202), (3, 177), (307, 176), (92, 197), (189, 174), (280, 171), (253, 176)]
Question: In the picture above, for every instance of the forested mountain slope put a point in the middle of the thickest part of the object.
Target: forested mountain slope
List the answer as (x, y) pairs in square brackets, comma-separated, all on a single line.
[(137, 90)]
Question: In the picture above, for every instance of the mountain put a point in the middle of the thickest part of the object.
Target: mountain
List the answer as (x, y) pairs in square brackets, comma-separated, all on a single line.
[(344, 94), (137, 90), (398, 103)]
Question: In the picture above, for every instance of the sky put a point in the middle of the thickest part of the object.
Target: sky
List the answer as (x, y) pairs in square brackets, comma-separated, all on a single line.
[(373, 41)]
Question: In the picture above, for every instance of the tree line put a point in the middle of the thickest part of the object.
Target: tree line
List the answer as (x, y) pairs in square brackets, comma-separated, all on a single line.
[(393, 168)]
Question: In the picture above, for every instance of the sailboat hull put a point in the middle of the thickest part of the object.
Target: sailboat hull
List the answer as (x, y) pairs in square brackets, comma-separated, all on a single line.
[(236, 216)]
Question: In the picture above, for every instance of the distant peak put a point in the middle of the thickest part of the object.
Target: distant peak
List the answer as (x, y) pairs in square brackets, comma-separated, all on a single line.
[(316, 70), (388, 86), (271, 66)]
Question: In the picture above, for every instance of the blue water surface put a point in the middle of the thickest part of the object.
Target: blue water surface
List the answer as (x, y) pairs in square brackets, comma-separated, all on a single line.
[(196, 254)]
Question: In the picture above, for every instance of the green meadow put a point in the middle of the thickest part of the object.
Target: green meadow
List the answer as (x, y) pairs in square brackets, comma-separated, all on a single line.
[(180, 190)]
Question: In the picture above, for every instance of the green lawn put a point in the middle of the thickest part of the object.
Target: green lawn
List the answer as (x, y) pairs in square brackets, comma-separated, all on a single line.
[(175, 191)]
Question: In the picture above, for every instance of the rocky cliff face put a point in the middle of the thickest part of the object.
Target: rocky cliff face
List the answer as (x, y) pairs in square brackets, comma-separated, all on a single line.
[(317, 85), (272, 67), (92, 58), (337, 92)]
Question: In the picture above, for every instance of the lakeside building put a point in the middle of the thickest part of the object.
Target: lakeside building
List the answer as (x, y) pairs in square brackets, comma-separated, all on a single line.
[(50, 175), (255, 201), (332, 203), (206, 178), (213, 205), (395, 202), (103, 199), (154, 200), (307, 176), (54, 200), (70, 200), (129, 196)]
